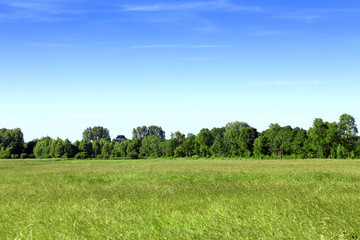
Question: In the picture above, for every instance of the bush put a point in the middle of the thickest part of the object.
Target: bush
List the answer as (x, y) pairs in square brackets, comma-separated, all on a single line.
[(47, 156), (195, 157), (23, 156), (247, 154), (301, 156), (81, 155)]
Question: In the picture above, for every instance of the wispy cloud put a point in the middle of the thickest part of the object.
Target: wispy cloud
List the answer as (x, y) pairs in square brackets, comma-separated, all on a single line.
[(313, 15), (56, 45), (210, 46), (199, 46), (284, 83), (39, 11), (307, 17), (336, 10), (271, 33), (197, 6), (159, 46)]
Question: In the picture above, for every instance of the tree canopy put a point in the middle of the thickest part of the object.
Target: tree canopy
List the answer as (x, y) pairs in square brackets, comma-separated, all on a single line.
[(236, 139)]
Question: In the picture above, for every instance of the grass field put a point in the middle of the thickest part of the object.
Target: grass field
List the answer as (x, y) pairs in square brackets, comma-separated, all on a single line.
[(180, 199)]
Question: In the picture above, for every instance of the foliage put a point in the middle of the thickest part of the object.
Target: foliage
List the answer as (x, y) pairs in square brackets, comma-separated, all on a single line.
[(96, 134), (144, 131), (235, 139)]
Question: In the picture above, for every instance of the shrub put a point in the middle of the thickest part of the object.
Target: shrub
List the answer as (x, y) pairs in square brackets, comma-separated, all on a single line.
[(301, 156), (81, 155), (195, 157), (23, 156), (247, 154)]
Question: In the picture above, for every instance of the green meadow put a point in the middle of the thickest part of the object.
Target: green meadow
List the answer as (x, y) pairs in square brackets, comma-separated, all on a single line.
[(180, 199)]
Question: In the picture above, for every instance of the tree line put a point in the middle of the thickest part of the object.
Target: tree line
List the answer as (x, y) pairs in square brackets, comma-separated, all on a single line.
[(236, 139)]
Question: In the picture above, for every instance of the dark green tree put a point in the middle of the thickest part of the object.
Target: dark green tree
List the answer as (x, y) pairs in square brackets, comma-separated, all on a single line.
[(298, 146), (270, 135), (12, 140), (283, 140), (87, 147), (70, 150), (348, 133), (261, 147), (133, 148), (205, 140), (190, 146)]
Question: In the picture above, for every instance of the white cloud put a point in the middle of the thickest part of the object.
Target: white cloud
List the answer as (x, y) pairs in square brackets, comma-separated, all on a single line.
[(39, 11), (313, 15), (307, 17), (197, 6)]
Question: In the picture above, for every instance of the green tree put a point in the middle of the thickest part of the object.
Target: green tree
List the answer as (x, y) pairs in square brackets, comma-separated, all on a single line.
[(70, 150), (261, 148), (144, 131), (106, 149), (348, 133), (96, 134), (241, 141), (29, 148), (219, 147), (43, 148), (190, 146), (324, 138), (59, 148), (156, 131), (133, 148), (205, 140), (271, 134), (12, 139), (283, 140), (151, 147), (236, 125), (298, 146), (87, 147), (176, 139)]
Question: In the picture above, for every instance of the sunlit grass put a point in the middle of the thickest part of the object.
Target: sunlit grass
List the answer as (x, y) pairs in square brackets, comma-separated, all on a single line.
[(180, 199)]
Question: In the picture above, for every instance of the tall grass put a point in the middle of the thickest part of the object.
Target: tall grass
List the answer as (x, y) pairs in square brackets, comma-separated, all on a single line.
[(203, 199)]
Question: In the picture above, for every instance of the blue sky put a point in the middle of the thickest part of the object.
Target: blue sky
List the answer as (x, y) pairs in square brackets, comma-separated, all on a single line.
[(182, 65)]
